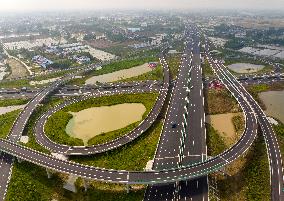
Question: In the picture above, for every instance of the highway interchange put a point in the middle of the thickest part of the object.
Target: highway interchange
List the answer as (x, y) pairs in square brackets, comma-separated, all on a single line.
[(176, 160)]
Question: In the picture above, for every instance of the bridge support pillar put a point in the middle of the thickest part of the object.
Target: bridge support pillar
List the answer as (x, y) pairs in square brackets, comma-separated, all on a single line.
[(85, 184), (177, 187), (48, 173), (128, 187), (19, 160)]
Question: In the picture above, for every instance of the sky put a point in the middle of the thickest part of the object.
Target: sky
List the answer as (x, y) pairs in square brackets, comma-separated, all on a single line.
[(45, 5)]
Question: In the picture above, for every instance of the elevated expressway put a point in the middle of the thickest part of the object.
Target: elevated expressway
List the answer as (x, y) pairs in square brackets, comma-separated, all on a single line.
[(195, 149), (187, 140), (169, 152), (273, 150), (164, 174)]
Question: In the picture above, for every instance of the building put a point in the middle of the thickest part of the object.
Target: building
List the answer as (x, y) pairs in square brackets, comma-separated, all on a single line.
[(144, 24), (133, 29), (82, 59), (42, 61), (216, 84), (153, 65)]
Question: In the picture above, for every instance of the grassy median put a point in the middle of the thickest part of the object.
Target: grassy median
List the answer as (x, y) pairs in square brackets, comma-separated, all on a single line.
[(174, 62)]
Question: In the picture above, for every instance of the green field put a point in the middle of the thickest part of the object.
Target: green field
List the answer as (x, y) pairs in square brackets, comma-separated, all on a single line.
[(220, 102), (56, 124), (10, 102), (207, 70), (14, 83), (48, 103), (7, 121), (215, 142)]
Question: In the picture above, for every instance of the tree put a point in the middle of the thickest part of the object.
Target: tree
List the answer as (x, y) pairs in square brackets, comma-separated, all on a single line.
[(88, 37)]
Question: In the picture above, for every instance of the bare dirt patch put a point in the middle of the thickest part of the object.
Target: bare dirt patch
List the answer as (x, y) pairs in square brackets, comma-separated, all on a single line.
[(223, 123), (17, 69), (120, 75)]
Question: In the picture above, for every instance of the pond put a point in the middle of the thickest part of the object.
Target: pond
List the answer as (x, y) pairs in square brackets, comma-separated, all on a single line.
[(245, 67), (119, 75), (274, 102), (91, 122)]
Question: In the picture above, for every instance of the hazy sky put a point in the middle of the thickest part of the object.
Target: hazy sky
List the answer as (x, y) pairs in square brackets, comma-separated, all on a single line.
[(28, 5)]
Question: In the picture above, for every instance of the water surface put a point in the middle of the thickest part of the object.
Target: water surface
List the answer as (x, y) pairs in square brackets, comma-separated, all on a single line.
[(245, 67), (119, 75), (274, 102), (97, 120)]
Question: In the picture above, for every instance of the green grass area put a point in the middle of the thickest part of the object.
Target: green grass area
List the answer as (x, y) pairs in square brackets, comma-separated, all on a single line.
[(56, 124), (215, 142), (239, 124), (29, 129), (155, 74), (107, 137), (118, 50), (130, 157), (207, 70), (266, 69), (178, 45), (10, 102), (7, 121), (110, 192), (256, 172), (14, 83), (52, 75), (248, 178), (29, 182), (279, 130), (55, 129), (116, 66), (220, 101), (174, 63)]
